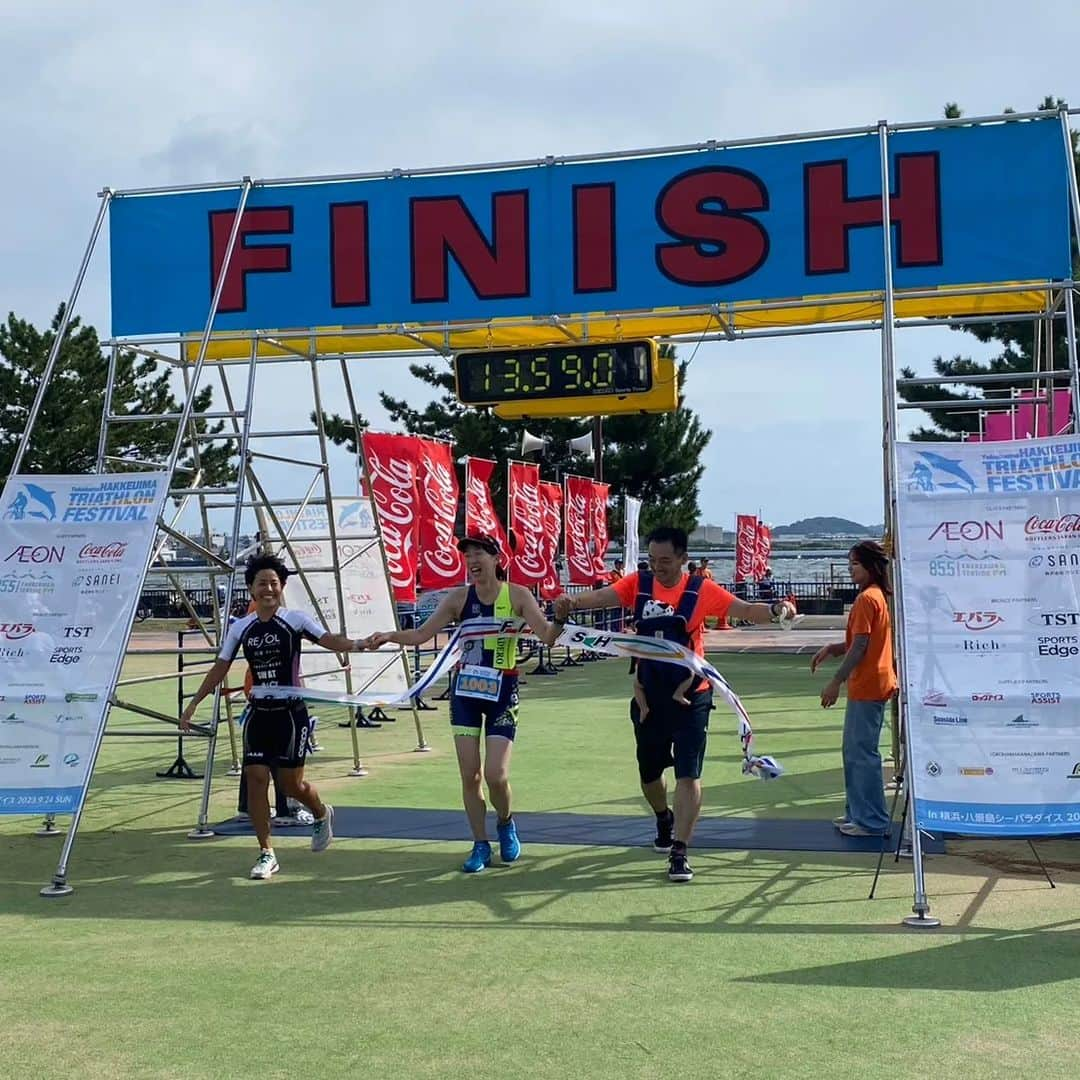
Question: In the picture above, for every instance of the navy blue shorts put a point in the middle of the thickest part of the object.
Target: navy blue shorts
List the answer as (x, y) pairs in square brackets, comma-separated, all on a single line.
[(672, 734), (474, 716)]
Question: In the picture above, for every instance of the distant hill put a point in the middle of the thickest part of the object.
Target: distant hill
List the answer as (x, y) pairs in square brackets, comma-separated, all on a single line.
[(827, 526)]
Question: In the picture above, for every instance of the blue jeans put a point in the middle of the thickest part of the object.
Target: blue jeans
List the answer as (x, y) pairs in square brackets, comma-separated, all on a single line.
[(863, 786)]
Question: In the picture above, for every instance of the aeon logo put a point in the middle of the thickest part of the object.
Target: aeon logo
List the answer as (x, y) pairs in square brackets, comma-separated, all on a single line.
[(97, 553), (39, 555), (969, 530)]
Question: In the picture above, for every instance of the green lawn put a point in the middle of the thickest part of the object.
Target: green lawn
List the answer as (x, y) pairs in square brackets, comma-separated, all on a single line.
[(382, 960)]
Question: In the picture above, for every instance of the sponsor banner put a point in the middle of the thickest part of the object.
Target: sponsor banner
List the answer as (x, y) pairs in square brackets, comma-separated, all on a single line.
[(528, 565), (578, 524), (991, 632), (631, 530), (762, 550), (600, 527), (441, 565), (551, 498), (746, 530), (480, 516), (73, 554), (661, 230), (368, 605), (391, 467)]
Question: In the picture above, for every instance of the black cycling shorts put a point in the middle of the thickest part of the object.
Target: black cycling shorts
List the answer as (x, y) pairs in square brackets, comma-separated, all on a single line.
[(277, 735)]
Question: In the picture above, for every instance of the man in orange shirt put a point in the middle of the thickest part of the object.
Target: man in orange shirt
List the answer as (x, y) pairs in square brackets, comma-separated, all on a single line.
[(670, 604), (868, 670)]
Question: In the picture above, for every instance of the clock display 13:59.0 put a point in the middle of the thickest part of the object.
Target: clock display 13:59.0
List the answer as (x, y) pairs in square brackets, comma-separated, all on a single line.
[(575, 371)]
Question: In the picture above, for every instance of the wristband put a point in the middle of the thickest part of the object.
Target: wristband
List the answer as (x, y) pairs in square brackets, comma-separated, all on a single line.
[(774, 613)]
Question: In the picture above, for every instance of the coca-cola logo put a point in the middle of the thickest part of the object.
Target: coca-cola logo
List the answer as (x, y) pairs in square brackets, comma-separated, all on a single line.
[(439, 492), (746, 547), (393, 485), (16, 631), (1066, 525), (577, 532), (113, 552), (528, 523), (480, 512)]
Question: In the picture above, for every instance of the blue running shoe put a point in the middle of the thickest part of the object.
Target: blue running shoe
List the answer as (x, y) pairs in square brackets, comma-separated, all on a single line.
[(479, 857), (509, 844)]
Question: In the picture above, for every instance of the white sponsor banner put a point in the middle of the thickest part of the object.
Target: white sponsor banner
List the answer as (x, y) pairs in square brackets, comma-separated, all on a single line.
[(368, 603), (631, 549), (73, 554), (990, 548)]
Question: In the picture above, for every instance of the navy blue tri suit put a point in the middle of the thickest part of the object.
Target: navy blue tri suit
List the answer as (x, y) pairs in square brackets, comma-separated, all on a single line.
[(276, 733), (488, 667)]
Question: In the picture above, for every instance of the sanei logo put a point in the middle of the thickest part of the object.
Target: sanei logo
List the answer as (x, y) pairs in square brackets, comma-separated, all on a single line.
[(41, 554), (969, 530), (977, 620)]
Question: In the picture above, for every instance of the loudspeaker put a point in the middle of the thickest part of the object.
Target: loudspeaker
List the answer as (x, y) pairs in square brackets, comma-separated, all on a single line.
[(582, 444), (530, 442)]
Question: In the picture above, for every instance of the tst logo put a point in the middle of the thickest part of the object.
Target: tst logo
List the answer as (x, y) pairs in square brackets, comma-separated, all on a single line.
[(1057, 618), (977, 620), (78, 631), (37, 555), (969, 530)]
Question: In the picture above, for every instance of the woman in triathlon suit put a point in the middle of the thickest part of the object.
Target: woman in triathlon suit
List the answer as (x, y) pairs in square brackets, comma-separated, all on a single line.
[(484, 690), (277, 732)]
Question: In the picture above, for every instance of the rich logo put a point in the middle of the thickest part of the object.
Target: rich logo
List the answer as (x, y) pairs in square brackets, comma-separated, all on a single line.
[(977, 620), (937, 473), (1045, 697), (1056, 618), (983, 645), (987, 697), (1060, 647), (78, 631), (969, 530), (103, 553), (38, 555), (964, 564), (32, 502), (1037, 529), (16, 631)]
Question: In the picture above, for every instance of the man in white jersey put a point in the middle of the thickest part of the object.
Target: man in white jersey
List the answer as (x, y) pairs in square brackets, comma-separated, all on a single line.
[(277, 732)]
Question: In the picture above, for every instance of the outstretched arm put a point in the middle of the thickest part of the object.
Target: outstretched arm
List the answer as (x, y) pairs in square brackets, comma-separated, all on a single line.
[(606, 597), (448, 610), (526, 606), (761, 613), (339, 643), (213, 677)]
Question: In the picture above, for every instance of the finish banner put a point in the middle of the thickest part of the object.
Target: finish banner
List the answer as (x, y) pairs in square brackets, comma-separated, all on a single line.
[(990, 553), (73, 555)]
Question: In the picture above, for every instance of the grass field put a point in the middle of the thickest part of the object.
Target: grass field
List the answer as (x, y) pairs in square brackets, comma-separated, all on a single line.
[(383, 960)]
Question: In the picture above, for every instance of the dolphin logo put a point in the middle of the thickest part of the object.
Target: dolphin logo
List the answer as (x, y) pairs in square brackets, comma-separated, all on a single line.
[(948, 466), (39, 497), (354, 515)]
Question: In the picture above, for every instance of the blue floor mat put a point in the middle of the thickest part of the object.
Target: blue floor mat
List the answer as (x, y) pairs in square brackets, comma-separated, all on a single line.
[(602, 830)]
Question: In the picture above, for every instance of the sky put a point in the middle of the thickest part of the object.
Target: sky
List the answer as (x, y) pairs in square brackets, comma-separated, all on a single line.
[(147, 93)]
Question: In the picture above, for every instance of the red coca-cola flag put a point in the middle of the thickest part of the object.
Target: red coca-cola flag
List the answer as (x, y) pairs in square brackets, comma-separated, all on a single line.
[(526, 519), (577, 516), (441, 565), (480, 516), (551, 498), (745, 546), (599, 527), (763, 550), (391, 463)]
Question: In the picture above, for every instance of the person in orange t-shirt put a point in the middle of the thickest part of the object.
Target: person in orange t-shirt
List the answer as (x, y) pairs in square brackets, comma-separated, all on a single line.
[(868, 670), (667, 601)]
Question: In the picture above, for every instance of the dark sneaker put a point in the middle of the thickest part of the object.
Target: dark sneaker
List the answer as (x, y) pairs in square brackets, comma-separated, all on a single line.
[(679, 868), (665, 825)]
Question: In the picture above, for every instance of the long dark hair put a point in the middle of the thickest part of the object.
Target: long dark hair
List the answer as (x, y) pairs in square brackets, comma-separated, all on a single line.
[(870, 555)]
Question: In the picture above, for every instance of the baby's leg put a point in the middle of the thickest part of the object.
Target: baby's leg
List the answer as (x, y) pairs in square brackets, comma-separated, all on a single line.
[(682, 688)]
